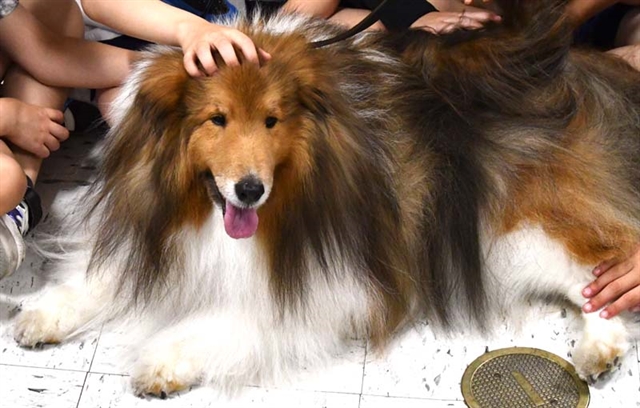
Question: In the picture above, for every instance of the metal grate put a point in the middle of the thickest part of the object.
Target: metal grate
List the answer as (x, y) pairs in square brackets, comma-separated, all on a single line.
[(521, 378)]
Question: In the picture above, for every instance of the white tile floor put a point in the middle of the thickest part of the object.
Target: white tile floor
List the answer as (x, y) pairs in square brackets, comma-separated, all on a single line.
[(419, 370)]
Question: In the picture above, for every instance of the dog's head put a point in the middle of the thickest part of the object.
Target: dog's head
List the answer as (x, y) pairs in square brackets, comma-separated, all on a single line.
[(292, 142), (250, 125), (221, 139)]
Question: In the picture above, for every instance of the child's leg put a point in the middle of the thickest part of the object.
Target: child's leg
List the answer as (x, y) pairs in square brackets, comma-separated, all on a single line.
[(14, 185), (63, 17)]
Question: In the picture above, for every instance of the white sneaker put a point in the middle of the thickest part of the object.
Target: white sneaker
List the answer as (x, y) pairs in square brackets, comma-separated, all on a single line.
[(12, 248)]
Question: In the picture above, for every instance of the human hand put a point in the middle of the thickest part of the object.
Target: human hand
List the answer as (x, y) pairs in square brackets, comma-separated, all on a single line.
[(617, 283), (470, 2), (33, 128), (447, 22), (199, 42)]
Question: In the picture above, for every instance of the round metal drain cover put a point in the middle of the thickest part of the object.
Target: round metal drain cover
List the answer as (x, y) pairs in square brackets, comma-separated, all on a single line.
[(521, 377)]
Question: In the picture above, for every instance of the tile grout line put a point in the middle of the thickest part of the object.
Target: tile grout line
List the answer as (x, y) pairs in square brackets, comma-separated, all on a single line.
[(68, 370), (638, 357), (364, 366), (86, 375)]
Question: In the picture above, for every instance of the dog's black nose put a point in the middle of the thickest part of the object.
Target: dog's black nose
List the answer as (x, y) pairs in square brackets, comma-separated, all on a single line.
[(249, 190)]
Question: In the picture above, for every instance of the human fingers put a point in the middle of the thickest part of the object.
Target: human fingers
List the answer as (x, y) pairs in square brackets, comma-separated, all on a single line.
[(604, 266), (453, 22), (264, 56), (605, 278), (471, 2), (55, 115), (39, 149), (246, 46), (482, 15), (58, 131), (469, 23), (204, 55), (190, 65), (228, 53), (629, 301), (439, 22), (52, 144), (614, 290)]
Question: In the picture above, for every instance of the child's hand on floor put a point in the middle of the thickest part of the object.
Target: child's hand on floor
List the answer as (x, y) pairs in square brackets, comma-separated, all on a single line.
[(617, 283)]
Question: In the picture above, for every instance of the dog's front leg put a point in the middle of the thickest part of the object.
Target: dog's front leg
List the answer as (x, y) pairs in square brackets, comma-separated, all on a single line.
[(220, 350), (66, 307)]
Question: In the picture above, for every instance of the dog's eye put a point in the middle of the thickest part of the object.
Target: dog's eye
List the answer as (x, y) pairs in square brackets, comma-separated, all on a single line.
[(219, 120), (270, 122)]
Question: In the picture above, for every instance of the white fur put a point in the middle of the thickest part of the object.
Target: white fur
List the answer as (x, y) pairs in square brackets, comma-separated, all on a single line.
[(528, 262), (218, 323)]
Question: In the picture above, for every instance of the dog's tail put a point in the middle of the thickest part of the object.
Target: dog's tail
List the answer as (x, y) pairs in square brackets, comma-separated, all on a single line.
[(496, 67)]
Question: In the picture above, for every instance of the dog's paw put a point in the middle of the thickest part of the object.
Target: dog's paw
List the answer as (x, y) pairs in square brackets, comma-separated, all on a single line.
[(34, 328), (50, 319), (599, 353), (162, 374)]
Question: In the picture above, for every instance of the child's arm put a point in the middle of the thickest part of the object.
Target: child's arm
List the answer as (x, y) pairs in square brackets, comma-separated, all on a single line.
[(579, 11), (158, 22), (60, 61), (319, 8)]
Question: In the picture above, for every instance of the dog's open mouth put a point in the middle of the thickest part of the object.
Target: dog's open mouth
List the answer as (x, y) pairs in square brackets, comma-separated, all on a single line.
[(238, 222)]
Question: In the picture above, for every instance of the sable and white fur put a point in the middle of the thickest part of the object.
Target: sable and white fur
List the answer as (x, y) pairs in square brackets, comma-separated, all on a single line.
[(395, 178)]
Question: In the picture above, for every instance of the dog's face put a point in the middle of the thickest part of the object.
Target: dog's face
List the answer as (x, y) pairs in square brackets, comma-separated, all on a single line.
[(246, 131), (252, 123)]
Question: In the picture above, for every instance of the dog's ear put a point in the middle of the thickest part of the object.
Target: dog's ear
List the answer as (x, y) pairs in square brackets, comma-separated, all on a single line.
[(161, 86), (145, 177), (314, 88), (150, 104), (315, 100)]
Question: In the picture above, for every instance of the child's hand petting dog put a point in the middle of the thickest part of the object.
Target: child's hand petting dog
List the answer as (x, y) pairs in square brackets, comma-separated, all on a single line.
[(444, 22), (617, 283), (199, 42)]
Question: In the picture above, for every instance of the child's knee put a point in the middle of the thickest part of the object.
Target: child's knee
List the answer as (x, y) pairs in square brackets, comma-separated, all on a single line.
[(14, 182)]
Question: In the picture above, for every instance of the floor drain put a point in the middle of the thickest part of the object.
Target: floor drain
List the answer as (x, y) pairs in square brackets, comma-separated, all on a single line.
[(521, 377)]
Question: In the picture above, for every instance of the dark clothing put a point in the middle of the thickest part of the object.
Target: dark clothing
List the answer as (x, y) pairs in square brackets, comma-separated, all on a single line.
[(398, 15), (129, 43), (600, 30)]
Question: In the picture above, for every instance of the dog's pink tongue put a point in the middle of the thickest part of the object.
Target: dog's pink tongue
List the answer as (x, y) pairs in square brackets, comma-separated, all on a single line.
[(240, 222)]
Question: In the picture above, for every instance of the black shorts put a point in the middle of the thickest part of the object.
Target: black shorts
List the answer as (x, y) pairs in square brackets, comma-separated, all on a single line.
[(129, 43)]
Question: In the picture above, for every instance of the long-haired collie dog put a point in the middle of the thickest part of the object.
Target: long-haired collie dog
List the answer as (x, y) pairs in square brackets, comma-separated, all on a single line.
[(255, 220)]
